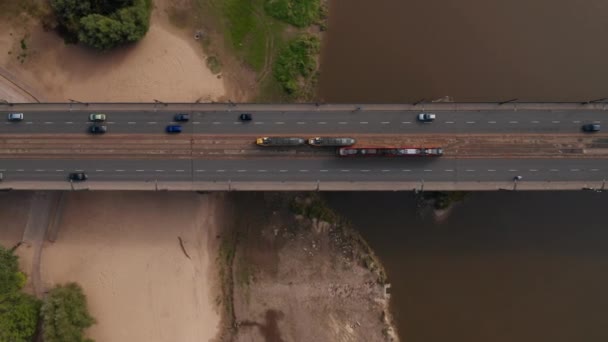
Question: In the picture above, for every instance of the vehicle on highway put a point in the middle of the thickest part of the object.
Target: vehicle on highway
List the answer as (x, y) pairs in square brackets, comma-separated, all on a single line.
[(280, 141), (15, 117), (181, 117), (331, 141), (77, 176), (517, 178), (390, 151), (98, 129), (426, 117), (246, 117), (174, 129), (591, 128), (97, 117)]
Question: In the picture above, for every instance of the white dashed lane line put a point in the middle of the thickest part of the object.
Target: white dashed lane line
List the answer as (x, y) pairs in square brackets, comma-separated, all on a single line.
[(406, 122), (279, 123), (470, 122), (594, 170), (49, 122), (554, 170), (364, 170), (469, 170), (303, 170), (258, 123), (216, 123), (491, 170), (323, 170), (574, 170), (69, 122), (321, 123), (119, 170), (179, 170), (513, 122), (98, 170), (301, 123), (220, 170), (343, 123), (58, 170), (555, 122), (448, 170), (39, 170), (200, 170), (535, 122), (385, 122), (139, 170), (241, 170), (363, 122), (160, 170), (449, 122), (283, 170), (152, 123), (491, 122), (131, 123)]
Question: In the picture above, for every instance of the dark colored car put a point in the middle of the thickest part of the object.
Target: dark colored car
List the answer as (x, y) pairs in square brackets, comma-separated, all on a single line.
[(246, 117), (95, 129), (77, 176), (174, 129), (181, 117), (591, 128)]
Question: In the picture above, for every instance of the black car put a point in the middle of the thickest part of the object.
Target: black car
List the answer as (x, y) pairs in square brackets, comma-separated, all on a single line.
[(591, 128), (98, 129), (77, 176), (246, 117), (181, 117)]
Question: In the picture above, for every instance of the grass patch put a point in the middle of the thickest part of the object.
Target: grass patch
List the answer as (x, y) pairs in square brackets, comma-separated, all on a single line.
[(214, 64), (299, 13), (296, 65)]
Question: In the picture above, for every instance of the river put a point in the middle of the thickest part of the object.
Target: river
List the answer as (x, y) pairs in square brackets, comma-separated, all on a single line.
[(471, 50), (505, 266)]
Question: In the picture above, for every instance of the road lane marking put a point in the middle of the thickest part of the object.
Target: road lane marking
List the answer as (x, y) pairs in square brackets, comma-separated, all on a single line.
[(303, 170), (139, 170), (119, 170), (39, 170), (363, 122), (258, 123), (237, 123), (196, 122), (98, 170), (160, 170), (301, 123), (283, 170), (406, 170), (554, 170), (533, 170), (555, 122), (470, 122), (576, 121), (343, 123), (20, 170), (179, 170), (321, 123), (200, 170), (79, 170), (512, 170), (513, 122), (151, 122), (48, 122), (574, 170), (217, 123), (111, 122), (279, 123), (364, 170), (323, 170), (220, 170), (69, 122), (491, 170), (406, 122), (131, 122), (345, 170), (29, 123), (594, 170), (469, 170), (428, 170), (385, 170), (262, 170), (448, 170), (535, 122), (241, 170), (385, 122), (59, 170), (491, 122), (597, 122), (449, 122)]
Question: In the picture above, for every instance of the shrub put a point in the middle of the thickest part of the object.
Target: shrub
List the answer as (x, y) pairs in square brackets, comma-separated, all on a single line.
[(300, 13), (296, 62), (65, 314)]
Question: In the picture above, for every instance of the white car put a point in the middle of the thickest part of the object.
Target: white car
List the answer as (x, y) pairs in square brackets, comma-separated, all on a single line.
[(15, 117), (426, 117), (96, 117)]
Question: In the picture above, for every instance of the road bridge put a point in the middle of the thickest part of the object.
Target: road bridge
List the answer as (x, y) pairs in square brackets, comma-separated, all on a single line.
[(246, 167)]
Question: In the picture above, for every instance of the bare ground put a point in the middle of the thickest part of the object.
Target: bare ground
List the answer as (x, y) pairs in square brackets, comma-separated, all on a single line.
[(297, 279)]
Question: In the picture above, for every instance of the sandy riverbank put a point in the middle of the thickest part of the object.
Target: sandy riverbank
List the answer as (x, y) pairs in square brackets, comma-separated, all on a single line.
[(124, 249), (167, 65)]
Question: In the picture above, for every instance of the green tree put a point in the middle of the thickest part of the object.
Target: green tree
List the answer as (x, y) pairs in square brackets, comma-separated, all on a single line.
[(19, 312), (65, 314), (300, 13), (103, 24)]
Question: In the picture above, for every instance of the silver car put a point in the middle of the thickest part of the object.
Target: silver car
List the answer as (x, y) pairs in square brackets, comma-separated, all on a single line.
[(97, 117), (15, 117)]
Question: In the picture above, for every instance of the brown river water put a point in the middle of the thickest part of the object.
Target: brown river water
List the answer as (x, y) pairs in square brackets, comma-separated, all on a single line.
[(523, 267), (470, 50), (504, 267)]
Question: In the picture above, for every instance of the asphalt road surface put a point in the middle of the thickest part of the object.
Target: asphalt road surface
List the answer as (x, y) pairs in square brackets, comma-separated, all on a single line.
[(370, 169), (317, 122)]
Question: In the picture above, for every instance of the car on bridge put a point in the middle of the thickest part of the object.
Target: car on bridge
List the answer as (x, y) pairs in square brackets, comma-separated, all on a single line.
[(426, 117), (98, 129), (15, 117), (246, 117), (174, 129), (97, 117), (591, 128), (77, 177), (181, 117)]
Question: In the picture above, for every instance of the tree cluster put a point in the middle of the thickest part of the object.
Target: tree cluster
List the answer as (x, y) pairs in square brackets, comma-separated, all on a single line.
[(65, 314), (103, 24), (18, 311)]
